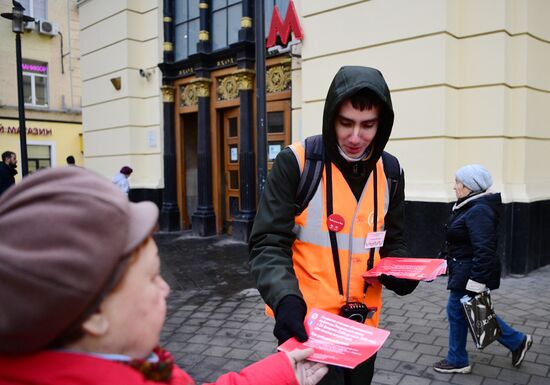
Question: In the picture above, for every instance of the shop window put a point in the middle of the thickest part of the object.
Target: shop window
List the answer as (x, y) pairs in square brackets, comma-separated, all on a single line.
[(226, 22), (275, 122), (35, 8), (187, 28), (39, 156), (35, 83)]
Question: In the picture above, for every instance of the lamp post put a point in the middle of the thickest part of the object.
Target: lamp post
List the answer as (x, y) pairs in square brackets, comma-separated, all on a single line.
[(18, 18)]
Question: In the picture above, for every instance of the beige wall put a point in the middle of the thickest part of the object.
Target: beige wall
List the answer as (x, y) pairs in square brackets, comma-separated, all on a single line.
[(469, 82), (122, 127), (62, 117), (64, 87)]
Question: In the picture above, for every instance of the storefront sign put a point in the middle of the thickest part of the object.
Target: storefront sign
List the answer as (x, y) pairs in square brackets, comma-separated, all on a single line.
[(30, 131), (225, 62), (34, 68), (283, 29), (186, 71)]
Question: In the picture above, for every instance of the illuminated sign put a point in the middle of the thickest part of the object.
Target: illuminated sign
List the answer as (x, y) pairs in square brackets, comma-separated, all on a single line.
[(283, 29), (34, 68)]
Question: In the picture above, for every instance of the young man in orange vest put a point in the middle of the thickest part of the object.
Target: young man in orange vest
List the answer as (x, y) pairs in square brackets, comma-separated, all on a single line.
[(315, 257)]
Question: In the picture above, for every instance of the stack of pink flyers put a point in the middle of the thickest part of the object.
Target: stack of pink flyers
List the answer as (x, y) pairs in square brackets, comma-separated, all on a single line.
[(419, 269), (337, 340)]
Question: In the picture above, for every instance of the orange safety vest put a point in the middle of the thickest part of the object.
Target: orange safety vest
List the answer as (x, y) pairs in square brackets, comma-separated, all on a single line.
[(312, 254)]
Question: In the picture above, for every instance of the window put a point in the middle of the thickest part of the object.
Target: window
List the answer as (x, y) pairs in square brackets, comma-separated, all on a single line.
[(226, 22), (35, 8), (39, 156), (35, 83), (187, 28)]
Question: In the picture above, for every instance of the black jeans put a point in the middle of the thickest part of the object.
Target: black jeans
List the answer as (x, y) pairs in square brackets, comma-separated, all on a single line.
[(361, 375)]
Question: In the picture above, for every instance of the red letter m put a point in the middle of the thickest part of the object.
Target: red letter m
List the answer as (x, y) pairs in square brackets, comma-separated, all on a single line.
[(277, 26)]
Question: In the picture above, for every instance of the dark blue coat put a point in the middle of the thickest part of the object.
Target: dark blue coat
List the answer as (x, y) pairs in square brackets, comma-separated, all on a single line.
[(472, 235)]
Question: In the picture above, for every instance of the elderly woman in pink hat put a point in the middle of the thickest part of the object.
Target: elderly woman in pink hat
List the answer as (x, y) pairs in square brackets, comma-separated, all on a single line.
[(81, 298)]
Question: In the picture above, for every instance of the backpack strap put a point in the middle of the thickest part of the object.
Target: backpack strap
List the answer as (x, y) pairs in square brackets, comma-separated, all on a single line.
[(392, 169), (312, 173)]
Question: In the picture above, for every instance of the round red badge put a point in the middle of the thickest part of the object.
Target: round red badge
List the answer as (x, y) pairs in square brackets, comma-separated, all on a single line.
[(335, 222)]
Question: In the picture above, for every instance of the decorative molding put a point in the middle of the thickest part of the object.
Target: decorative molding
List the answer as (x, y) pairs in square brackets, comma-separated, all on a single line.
[(203, 35), (246, 22), (245, 79), (191, 92), (203, 87), (278, 78), (203, 5), (167, 94), (168, 46), (228, 87)]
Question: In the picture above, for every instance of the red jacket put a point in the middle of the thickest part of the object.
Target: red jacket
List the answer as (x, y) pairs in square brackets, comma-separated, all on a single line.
[(63, 368)]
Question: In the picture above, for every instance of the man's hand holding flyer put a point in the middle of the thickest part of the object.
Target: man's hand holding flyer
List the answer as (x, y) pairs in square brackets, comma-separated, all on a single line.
[(418, 269), (337, 340)]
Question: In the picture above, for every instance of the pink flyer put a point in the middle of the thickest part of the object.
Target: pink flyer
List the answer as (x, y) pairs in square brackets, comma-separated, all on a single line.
[(420, 269), (337, 340)]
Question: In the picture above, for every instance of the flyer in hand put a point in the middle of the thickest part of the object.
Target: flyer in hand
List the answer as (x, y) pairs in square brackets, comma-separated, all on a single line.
[(337, 340), (418, 269)]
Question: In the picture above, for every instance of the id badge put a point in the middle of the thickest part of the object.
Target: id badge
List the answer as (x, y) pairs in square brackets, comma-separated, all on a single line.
[(375, 239)]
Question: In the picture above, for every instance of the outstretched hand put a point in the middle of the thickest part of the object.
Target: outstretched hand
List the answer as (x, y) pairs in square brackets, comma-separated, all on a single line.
[(307, 372), (289, 319), (400, 286)]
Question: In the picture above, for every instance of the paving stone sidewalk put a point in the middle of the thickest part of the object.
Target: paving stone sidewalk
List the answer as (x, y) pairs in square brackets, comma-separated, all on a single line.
[(216, 321)]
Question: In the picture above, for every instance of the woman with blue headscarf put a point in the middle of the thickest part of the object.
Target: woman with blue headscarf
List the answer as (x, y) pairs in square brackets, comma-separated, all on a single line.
[(471, 240)]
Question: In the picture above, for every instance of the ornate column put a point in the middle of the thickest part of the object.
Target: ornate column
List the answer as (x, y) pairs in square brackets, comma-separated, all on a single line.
[(246, 33), (169, 219), (204, 44), (203, 221), (242, 224)]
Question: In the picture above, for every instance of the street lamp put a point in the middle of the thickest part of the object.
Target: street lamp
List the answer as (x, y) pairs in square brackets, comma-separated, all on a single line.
[(18, 18)]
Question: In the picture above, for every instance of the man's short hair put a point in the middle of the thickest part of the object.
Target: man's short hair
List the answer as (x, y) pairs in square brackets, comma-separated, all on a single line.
[(70, 159), (365, 99), (7, 155)]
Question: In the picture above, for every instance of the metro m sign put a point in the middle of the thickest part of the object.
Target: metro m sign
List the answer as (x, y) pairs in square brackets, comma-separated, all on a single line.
[(290, 24)]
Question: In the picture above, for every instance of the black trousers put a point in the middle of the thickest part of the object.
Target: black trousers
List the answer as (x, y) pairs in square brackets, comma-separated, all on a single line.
[(361, 375)]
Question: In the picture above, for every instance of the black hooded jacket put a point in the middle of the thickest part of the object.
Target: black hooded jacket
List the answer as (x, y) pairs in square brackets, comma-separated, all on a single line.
[(7, 176), (471, 238), (272, 233)]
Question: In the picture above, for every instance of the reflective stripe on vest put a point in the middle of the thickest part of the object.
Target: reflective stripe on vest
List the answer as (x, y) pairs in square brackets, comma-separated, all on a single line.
[(312, 254)]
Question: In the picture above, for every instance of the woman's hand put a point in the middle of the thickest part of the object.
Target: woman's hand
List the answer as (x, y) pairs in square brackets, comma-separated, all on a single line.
[(307, 372)]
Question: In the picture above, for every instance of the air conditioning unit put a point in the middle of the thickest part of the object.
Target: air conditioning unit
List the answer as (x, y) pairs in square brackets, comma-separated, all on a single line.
[(29, 25), (48, 28)]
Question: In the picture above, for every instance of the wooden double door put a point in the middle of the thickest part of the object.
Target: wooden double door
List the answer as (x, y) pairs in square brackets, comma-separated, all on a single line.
[(278, 137)]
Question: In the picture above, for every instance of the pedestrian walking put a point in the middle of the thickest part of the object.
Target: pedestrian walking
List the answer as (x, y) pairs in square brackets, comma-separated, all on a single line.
[(315, 257), (8, 170), (81, 295), (471, 249), (120, 179)]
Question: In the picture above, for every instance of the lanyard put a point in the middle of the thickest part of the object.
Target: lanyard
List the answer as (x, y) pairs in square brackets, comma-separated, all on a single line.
[(332, 234)]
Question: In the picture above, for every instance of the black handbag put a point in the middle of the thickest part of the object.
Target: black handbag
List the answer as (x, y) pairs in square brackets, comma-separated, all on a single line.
[(482, 319)]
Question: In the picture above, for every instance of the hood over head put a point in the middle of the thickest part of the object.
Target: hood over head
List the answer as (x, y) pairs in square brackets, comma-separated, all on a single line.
[(347, 82)]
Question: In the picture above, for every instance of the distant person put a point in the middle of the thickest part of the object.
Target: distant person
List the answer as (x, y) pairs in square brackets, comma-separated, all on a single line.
[(471, 246), (121, 179), (81, 295), (7, 170), (71, 161)]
